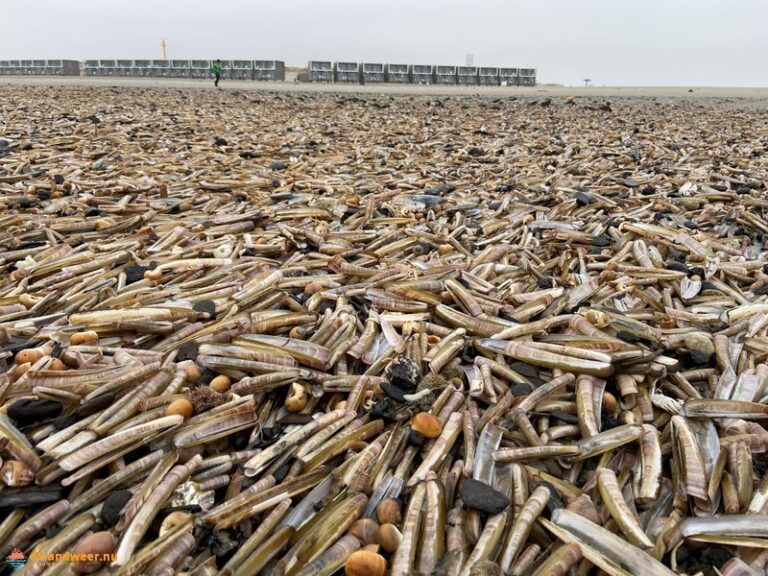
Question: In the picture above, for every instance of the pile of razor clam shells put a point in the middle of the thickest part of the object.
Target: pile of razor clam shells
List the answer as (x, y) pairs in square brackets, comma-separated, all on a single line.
[(299, 335)]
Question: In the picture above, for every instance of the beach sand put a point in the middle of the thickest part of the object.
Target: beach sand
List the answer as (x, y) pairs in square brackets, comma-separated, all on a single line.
[(731, 97)]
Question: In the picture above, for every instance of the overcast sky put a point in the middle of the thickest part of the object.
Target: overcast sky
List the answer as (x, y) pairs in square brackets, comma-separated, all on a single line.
[(614, 42)]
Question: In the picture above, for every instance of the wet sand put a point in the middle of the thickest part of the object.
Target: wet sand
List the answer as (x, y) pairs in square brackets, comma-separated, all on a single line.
[(729, 96)]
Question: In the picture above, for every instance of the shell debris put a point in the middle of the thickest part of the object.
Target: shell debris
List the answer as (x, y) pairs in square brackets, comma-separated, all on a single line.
[(292, 334)]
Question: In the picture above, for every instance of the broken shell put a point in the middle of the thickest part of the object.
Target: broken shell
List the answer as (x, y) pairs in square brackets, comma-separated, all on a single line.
[(365, 563), (389, 537), (389, 511), (427, 425), (15, 474), (220, 384), (365, 530), (98, 544), (173, 520), (181, 407), (79, 338), (297, 398)]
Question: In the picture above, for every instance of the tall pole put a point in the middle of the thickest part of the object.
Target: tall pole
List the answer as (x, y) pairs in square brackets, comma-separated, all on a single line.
[(164, 46)]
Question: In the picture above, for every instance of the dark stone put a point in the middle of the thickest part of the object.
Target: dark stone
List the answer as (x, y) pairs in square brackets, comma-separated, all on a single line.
[(113, 505), (27, 411), (630, 183), (219, 142), (92, 212), (404, 373), (278, 165), (206, 307), (585, 198), (520, 389), (602, 240), (699, 358), (239, 441), (188, 351), (44, 195), (90, 407), (743, 190), (25, 202), (416, 438), (698, 271), (393, 391), (93, 118), (648, 191), (480, 496), (59, 179), (63, 422), (690, 225), (134, 273)]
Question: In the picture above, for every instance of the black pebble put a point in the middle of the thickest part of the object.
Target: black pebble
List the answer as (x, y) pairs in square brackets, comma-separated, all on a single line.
[(480, 496), (602, 240), (134, 273), (206, 307), (545, 283), (743, 190), (585, 198), (647, 191), (698, 271), (219, 142), (59, 179), (25, 203), (28, 411), (278, 165), (62, 422), (393, 391), (44, 195), (475, 151), (520, 389), (92, 212), (113, 505), (188, 351), (90, 407), (416, 438), (698, 358)]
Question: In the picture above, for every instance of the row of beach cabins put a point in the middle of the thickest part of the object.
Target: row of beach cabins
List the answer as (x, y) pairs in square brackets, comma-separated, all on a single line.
[(274, 70), (372, 73)]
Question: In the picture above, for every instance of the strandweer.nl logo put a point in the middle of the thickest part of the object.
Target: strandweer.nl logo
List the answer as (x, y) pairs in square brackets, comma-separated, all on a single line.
[(17, 559)]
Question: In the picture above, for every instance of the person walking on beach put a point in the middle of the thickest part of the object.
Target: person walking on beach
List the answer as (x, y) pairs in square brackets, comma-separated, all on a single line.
[(216, 69)]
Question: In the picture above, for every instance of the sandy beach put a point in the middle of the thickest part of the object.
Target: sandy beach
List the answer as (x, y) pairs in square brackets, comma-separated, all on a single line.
[(729, 96)]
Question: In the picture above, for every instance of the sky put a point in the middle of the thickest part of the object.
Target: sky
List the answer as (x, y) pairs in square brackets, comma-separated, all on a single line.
[(612, 42)]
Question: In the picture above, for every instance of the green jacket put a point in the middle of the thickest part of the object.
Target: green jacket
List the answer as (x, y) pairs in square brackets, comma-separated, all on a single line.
[(216, 68)]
